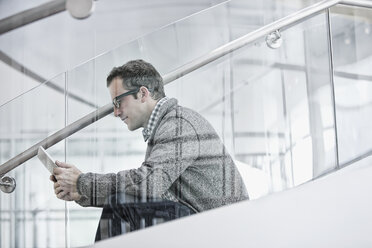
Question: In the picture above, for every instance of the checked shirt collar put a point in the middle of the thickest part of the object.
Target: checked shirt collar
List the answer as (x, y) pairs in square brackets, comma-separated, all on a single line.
[(146, 132)]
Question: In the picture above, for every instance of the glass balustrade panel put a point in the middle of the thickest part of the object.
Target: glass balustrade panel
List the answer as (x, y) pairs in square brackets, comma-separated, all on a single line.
[(32, 216), (352, 53), (272, 107)]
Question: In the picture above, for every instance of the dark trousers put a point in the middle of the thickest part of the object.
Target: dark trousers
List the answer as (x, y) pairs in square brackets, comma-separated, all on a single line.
[(124, 213)]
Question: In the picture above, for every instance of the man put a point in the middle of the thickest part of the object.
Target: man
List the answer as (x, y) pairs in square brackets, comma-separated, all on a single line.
[(185, 161)]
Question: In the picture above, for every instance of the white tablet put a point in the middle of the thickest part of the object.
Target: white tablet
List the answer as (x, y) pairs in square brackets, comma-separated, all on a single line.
[(46, 159)]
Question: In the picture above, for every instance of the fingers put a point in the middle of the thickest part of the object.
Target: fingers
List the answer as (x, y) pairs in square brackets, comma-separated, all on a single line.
[(59, 176), (52, 178), (62, 195), (57, 171), (66, 195), (58, 189), (63, 186), (63, 165), (65, 177), (60, 171), (56, 185)]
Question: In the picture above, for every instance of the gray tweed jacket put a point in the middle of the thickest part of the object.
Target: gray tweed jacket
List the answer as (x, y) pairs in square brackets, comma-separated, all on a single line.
[(185, 161)]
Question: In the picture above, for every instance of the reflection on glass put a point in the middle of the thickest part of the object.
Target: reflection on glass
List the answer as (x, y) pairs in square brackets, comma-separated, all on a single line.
[(353, 80)]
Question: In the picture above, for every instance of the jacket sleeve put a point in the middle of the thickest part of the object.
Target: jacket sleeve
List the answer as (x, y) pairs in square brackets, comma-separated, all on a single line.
[(175, 148)]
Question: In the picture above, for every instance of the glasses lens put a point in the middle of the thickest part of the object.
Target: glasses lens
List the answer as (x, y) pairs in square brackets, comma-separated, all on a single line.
[(116, 103), (117, 100)]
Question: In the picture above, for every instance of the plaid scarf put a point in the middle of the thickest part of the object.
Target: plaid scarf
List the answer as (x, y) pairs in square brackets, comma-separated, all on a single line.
[(146, 132)]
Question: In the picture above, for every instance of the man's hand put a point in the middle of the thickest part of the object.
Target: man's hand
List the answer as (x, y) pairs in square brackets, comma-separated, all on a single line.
[(65, 181)]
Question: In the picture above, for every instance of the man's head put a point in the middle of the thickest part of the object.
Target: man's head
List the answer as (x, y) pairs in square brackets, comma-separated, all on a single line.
[(135, 89), (137, 73)]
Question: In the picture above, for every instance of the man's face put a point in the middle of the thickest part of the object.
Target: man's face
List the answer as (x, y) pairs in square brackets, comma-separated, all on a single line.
[(132, 111)]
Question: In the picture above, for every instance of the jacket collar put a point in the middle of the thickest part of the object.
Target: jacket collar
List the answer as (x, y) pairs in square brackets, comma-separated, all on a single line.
[(146, 132), (163, 110)]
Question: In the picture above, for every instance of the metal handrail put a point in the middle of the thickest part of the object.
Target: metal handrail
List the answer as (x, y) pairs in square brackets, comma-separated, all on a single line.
[(31, 15), (357, 3), (281, 24)]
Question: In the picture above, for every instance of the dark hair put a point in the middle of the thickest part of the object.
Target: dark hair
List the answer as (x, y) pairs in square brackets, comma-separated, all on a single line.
[(137, 73)]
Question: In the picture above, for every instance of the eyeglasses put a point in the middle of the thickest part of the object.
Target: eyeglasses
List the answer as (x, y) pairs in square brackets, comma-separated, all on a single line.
[(116, 101)]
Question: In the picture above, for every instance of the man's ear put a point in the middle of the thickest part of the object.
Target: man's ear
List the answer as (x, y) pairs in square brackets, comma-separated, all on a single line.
[(144, 93)]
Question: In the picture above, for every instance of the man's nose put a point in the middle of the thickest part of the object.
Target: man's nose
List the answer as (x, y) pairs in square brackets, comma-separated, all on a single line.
[(116, 111)]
